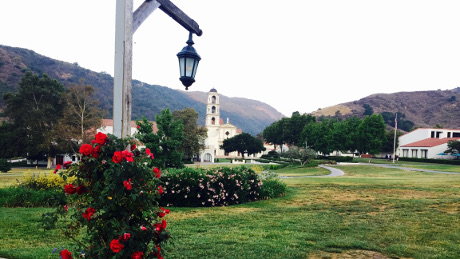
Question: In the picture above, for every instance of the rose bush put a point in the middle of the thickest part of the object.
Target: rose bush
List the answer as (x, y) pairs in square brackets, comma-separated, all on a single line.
[(114, 198)]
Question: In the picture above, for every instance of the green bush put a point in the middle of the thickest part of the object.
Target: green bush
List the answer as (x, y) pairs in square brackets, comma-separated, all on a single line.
[(427, 160), (43, 181), (192, 187), (4, 165), (24, 197), (272, 186)]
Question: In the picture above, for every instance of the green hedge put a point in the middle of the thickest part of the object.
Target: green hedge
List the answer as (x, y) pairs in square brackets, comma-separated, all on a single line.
[(25, 197), (427, 160)]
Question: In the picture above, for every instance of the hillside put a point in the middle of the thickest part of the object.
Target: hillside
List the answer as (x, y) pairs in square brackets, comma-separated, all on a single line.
[(148, 100), (424, 108)]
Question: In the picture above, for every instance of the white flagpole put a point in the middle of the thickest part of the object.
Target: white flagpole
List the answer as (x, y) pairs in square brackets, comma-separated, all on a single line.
[(394, 140)]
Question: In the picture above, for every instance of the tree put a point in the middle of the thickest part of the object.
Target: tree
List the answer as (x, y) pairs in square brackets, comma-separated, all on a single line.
[(81, 116), (389, 142), (194, 136), (273, 134), (35, 111), (367, 109), (371, 132), (293, 127), (453, 147), (166, 143), (243, 143), (9, 137), (303, 155)]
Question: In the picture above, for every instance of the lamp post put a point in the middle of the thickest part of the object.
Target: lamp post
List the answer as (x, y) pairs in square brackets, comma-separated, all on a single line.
[(126, 24)]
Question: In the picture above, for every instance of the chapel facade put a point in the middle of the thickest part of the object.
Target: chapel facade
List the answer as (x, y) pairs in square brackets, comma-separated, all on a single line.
[(218, 131)]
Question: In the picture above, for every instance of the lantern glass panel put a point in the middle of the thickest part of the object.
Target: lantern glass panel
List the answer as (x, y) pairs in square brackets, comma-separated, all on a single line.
[(182, 66), (189, 66), (195, 68)]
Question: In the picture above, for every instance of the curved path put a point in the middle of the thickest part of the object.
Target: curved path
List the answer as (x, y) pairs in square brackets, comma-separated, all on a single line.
[(334, 172)]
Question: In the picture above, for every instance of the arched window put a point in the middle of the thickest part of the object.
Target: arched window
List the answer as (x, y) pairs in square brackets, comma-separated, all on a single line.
[(213, 99), (213, 109), (213, 121)]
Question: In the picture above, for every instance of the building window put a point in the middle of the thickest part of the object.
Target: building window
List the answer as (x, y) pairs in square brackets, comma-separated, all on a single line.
[(213, 121), (456, 135), (448, 134), (424, 153), (213, 99), (438, 134), (213, 109), (414, 153), (432, 134)]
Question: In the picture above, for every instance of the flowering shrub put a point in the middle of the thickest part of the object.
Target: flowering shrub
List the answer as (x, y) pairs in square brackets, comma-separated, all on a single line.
[(210, 187), (114, 198), (42, 181)]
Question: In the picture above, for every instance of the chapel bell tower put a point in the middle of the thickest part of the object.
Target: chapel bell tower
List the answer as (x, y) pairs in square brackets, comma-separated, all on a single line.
[(212, 109)]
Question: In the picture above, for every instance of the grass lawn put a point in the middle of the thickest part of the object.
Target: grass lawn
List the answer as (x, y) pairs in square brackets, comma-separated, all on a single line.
[(370, 211)]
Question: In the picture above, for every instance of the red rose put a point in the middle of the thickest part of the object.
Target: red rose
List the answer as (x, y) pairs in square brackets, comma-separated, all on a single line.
[(69, 189), (117, 157), (116, 246), (137, 255), (124, 237), (88, 213), (66, 254), (57, 168), (133, 146), (81, 189), (157, 172), (86, 149), (160, 189), (100, 138), (127, 155), (96, 151), (147, 151), (128, 185)]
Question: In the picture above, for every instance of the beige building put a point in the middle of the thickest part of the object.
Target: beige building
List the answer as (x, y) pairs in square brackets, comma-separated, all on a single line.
[(218, 131)]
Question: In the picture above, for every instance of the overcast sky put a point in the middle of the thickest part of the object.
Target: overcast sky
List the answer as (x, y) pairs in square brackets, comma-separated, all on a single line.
[(295, 55)]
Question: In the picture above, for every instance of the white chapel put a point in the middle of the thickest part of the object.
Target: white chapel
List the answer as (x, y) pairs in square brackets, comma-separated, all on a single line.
[(218, 131)]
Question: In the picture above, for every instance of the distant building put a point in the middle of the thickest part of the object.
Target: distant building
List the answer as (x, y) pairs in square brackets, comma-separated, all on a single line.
[(427, 143), (217, 130)]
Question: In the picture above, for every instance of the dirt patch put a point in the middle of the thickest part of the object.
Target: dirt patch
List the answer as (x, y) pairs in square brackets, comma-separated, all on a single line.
[(355, 254)]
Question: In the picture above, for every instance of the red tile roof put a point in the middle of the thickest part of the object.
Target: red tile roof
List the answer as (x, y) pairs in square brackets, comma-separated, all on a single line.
[(430, 142), (109, 123)]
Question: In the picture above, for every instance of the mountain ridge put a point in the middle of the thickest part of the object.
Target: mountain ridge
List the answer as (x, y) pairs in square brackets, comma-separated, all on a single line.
[(148, 100)]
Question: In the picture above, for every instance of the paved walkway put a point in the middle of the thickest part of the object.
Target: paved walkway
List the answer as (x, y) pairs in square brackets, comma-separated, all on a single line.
[(409, 168), (338, 172)]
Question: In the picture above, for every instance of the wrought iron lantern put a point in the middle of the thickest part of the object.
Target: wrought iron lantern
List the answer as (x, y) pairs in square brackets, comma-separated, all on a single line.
[(188, 63)]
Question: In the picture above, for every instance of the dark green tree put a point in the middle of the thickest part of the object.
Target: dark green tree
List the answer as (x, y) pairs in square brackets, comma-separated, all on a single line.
[(165, 144), (367, 109), (352, 136), (453, 147), (194, 136), (9, 141), (35, 111), (371, 132), (243, 143), (388, 144), (273, 134), (293, 127)]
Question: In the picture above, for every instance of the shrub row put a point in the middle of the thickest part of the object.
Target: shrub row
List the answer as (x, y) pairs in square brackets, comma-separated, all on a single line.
[(25, 197), (214, 187), (427, 160)]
